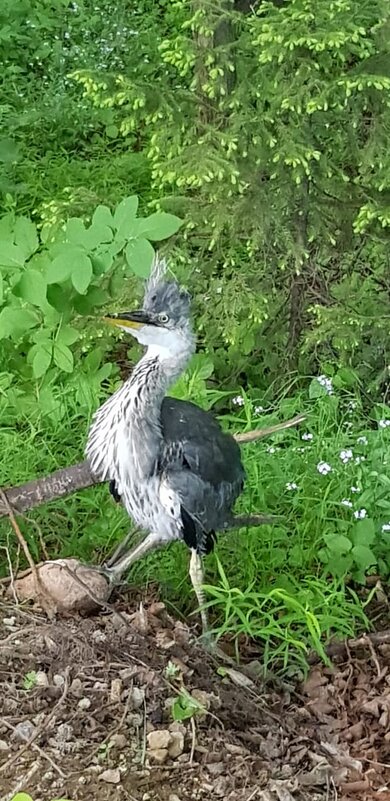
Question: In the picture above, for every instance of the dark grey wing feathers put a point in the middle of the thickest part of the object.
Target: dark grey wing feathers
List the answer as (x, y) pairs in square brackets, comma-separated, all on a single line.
[(203, 467)]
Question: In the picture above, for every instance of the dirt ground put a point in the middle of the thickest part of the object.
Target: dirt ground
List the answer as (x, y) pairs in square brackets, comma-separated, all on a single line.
[(86, 715)]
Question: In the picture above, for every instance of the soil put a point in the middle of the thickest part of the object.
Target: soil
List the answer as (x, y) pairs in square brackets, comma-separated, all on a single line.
[(87, 715)]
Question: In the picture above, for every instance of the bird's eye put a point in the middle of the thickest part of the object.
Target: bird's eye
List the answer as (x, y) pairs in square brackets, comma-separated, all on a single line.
[(163, 318)]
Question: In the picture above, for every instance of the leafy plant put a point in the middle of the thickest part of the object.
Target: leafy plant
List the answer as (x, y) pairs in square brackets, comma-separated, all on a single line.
[(30, 680), (186, 706)]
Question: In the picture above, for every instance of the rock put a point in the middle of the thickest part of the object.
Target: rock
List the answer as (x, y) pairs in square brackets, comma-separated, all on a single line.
[(58, 590), (76, 687), (215, 768), (9, 622), (159, 739), (173, 797), (3, 745), (159, 755), (202, 697), (137, 697), (41, 679), (119, 741), (23, 731), (116, 691), (110, 776), (84, 703), (58, 680), (177, 726), (176, 745)]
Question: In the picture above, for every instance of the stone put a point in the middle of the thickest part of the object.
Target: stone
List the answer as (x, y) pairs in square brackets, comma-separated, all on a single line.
[(158, 739), (176, 745), (76, 687), (41, 679), (116, 690), (159, 755), (119, 741), (58, 680), (23, 731), (137, 697), (84, 703), (3, 745), (110, 776)]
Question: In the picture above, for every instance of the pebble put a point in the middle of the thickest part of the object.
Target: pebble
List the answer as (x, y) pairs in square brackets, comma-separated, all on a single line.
[(119, 741), (41, 679), (84, 703), (159, 739), (116, 690), (110, 776), (9, 621), (23, 731), (174, 797), (176, 745), (3, 745), (58, 680), (137, 697), (159, 755), (76, 687)]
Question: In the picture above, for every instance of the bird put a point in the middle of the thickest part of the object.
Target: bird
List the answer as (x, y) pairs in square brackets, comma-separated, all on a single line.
[(176, 472)]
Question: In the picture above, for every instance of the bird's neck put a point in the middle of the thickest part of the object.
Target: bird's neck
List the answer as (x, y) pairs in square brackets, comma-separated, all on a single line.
[(152, 377)]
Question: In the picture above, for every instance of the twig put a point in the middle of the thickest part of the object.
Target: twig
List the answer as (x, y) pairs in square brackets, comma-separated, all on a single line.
[(39, 729), (11, 578), (21, 541), (23, 782), (193, 741), (78, 476), (339, 648), (39, 750)]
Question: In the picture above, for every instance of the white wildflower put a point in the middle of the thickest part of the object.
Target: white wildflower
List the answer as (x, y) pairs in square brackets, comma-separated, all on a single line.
[(271, 449), (324, 468), (219, 290), (326, 383), (351, 406), (362, 441), (347, 502), (346, 455), (291, 485), (355, 489), (360, 514), (259, 409), (359, 459), (385, 527), (384, 423), (307, 436), (238, 400)]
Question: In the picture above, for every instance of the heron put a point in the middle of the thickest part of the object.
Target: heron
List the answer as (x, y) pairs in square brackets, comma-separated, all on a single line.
[(168, 461)]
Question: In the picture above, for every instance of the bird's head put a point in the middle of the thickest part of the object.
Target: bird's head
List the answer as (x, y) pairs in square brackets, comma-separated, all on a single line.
[(163, 323)]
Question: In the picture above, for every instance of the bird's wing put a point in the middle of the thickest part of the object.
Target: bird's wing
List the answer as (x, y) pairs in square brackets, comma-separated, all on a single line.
[(201, 472)]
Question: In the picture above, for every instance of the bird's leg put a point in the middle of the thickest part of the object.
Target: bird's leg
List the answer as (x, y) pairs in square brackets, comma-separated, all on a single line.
[(196, 576), (115, 571), (121, 548)]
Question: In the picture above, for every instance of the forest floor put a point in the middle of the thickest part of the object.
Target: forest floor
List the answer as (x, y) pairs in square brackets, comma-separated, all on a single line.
[(86, 715)]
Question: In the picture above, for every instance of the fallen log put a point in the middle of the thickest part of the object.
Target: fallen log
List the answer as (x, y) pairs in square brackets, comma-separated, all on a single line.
[(78, 476)]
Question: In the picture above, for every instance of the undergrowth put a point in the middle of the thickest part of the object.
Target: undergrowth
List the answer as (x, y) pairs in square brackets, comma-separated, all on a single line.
[(285, 585)]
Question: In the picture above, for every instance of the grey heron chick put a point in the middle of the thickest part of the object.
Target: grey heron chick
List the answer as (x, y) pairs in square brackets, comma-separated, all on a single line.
[(176, 472)]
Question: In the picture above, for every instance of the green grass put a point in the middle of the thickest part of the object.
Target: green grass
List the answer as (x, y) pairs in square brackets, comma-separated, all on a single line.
[(284, 584)]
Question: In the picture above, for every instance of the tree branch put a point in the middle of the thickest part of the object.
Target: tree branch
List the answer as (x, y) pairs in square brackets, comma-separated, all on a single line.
[(78, 476)]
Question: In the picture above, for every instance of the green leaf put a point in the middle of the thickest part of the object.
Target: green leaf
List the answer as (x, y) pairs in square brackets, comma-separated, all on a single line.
[(102, 217), (102, 260), (42, 360), (185, 706), (32, 287), (11, 255), (15, 321), (139, 256), (316, 390), (63, 357), (124, 216), (82, 274), (1, 288), (158, 226), (67, 335), (22, 797), (26, 236), (59, 298), (75, 231), (363, 556), (112, 131), (364, 532), (62, 266), (338, 544), (95, 296)]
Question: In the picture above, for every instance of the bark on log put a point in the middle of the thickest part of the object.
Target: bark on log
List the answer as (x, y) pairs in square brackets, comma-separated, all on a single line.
[(78, 476)]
